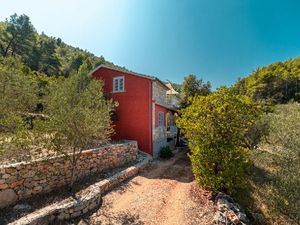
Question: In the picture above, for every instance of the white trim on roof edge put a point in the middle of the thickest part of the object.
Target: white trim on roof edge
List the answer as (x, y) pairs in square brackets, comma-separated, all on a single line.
[(129, 72)]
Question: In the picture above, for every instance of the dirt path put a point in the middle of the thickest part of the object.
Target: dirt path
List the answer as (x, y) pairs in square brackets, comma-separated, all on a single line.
[(164, 194)]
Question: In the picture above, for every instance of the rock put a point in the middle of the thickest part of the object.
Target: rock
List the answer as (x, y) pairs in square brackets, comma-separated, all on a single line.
[(10, 170), (5, 176), (7, 197), (16, 183), (258, 218), (3, 186), (75, 214), (22, 207), (229, 212)]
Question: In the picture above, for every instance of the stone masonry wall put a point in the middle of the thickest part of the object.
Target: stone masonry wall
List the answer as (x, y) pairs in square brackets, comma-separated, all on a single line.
[(25, 179), (159, 94)]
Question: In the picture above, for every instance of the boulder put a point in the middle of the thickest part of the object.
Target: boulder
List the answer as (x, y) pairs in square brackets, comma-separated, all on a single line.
[(229, 212), (7, 197)]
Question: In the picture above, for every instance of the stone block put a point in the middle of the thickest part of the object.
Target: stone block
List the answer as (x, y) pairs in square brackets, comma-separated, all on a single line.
[(85, 210), (3, 186), (75, 214), (5, 176), (7, 197), (16, 183)]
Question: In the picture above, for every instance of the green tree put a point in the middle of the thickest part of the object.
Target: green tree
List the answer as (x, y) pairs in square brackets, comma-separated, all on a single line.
[(41, 53), (18, 37), (17, 88), (277, 162), (48, 61), (192, 87), (18, 99), (215, 126), (79, 115), (277, 83)]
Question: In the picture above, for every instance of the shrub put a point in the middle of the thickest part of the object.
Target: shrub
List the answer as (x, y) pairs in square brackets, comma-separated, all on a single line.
[(215, 126), (166, 152)]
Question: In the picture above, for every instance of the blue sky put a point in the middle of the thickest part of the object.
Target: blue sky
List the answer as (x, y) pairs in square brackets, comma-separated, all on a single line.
[(217, 40)]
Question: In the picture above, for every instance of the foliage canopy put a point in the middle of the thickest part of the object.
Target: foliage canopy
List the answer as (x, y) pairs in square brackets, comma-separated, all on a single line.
[(215, 126), (49, 55), (191, 87), (276, 83)]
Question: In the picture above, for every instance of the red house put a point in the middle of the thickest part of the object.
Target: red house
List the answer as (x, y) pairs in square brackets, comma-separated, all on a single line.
[(145, 111)]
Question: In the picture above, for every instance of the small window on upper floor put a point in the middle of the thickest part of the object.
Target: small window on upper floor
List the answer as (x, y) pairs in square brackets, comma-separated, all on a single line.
[(118, 84)]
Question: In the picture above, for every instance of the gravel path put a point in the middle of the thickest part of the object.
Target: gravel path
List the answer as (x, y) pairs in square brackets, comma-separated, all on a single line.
[(164, 194)]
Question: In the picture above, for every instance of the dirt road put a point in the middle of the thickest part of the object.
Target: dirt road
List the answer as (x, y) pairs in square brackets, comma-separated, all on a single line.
[(164, 194)]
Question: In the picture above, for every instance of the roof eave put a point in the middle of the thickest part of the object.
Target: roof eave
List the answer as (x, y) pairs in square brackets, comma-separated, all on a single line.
[(129, 72)]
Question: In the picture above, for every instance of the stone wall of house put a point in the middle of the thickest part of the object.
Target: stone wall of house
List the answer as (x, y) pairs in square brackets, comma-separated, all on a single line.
[(159, 93), (25, 179)]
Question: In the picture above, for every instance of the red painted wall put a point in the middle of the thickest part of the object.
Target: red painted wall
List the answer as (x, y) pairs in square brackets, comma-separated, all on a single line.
[(159, 108), (134, 111)]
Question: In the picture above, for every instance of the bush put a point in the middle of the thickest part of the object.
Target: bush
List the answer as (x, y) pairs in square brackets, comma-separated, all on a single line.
[(215, 126), (166, 152)]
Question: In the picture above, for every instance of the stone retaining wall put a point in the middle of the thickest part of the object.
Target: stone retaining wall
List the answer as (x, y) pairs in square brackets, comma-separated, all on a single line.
[(87, 200), (25, 179)]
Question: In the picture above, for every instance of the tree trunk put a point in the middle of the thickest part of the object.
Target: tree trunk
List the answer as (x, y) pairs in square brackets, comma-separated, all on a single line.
[(73, 163), (74, 160), (8, 46), (178, 137)]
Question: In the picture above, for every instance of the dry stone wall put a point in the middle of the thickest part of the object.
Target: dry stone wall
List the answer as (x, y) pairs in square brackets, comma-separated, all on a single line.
[(86, 200), (25, 179)]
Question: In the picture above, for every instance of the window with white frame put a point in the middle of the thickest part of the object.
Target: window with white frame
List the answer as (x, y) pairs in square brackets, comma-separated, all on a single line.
[(161, 119), (118, 84)]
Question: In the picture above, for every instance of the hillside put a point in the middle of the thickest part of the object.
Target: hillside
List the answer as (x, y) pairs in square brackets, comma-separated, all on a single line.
[(41, 53), (276, 83)]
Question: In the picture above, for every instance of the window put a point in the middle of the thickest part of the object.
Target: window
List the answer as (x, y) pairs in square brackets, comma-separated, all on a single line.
[(169, 120), (118, 84), (161, 119)]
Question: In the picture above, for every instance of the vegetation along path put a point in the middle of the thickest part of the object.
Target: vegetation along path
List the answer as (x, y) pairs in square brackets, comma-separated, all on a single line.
[(164, 194)]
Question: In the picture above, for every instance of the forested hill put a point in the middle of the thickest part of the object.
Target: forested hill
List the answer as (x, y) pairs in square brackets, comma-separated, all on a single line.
[(276, 83), (49, 55)]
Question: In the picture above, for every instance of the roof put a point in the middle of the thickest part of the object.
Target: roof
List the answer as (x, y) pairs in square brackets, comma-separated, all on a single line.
[(172, 91), (131, 73)]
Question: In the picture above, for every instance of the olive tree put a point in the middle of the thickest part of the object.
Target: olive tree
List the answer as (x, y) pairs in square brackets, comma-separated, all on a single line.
[(284, 144), (18, 99), (215, 126), (78, 114)]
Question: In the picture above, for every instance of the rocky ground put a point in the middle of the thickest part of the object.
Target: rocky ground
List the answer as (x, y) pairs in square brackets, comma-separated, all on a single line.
[(164, 194)]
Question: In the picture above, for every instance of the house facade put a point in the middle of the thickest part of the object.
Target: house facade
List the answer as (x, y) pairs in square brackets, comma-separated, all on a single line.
[(144, 112)]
